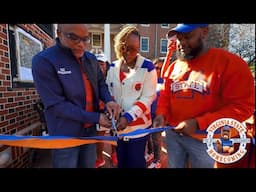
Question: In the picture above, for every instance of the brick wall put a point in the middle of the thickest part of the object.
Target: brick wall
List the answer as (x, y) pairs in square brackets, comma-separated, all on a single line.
[(154, 32), (17, 113)]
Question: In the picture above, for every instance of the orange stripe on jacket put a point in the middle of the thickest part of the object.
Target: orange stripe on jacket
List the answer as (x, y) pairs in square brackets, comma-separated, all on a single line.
[(141, 105), (139, 121)]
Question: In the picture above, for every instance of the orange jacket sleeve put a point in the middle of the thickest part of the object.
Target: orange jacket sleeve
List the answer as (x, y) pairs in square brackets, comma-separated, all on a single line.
[(238, 93)]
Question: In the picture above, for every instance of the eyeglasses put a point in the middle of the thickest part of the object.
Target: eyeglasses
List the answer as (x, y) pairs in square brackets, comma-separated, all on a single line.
[(76, 39), (130, 49)]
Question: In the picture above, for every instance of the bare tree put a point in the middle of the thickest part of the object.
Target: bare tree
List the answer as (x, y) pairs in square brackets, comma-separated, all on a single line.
[(242, 41), (218, 35)]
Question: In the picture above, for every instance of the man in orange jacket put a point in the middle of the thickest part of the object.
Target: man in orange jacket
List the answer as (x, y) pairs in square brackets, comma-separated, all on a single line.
[(203, 85)]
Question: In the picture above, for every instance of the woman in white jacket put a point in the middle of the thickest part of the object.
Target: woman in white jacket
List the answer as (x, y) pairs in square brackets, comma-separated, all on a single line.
[(132, 81)]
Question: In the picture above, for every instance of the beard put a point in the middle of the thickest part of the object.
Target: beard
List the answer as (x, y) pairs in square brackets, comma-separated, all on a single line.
[(194, 52)]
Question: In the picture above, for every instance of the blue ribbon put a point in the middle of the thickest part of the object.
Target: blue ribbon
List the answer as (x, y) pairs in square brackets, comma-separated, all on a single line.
[(40, 141)]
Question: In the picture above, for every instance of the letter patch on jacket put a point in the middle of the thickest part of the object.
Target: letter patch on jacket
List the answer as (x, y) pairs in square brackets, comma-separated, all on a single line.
[(63, 71)]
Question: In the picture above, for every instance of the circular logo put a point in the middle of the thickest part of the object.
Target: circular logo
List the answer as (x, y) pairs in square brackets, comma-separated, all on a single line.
[(137, 86), (222, 147)]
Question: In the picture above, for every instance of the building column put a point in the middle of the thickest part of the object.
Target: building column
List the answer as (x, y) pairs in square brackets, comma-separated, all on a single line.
[(107, 49)]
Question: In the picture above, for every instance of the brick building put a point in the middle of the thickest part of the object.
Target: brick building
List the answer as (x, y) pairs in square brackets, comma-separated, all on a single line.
[(17, 93), (153, 37)]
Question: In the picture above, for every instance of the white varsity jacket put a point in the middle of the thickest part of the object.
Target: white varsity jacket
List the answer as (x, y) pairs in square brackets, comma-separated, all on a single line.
[(135, 93)]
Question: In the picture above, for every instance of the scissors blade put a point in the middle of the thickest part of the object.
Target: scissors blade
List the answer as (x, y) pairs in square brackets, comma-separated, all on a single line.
[(114, 129)]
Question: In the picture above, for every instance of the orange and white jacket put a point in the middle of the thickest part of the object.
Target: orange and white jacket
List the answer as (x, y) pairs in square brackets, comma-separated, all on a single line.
[(135, 93), (217, 84)]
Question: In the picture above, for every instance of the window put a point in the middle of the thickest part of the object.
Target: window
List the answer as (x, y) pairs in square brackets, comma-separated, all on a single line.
[(144, 41), (163, 46), (165, 25), (96, 40), (23, 47)]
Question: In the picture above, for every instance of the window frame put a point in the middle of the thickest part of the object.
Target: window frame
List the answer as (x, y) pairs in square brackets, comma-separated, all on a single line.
[(92, 39), (161, 45), (15, 58), (141, 47)]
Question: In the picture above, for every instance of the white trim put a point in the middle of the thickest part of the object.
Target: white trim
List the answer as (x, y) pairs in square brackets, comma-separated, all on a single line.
[(145, 25)]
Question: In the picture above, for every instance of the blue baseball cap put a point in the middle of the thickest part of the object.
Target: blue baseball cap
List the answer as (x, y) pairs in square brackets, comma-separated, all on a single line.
[(101, 57), (184, 28)]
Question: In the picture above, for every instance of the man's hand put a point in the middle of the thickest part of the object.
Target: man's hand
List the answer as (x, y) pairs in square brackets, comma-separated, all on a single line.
[(113, 109), (171, 47), (159, 121), (104, 121), (187, 127), (121, 123), (171, 44)]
